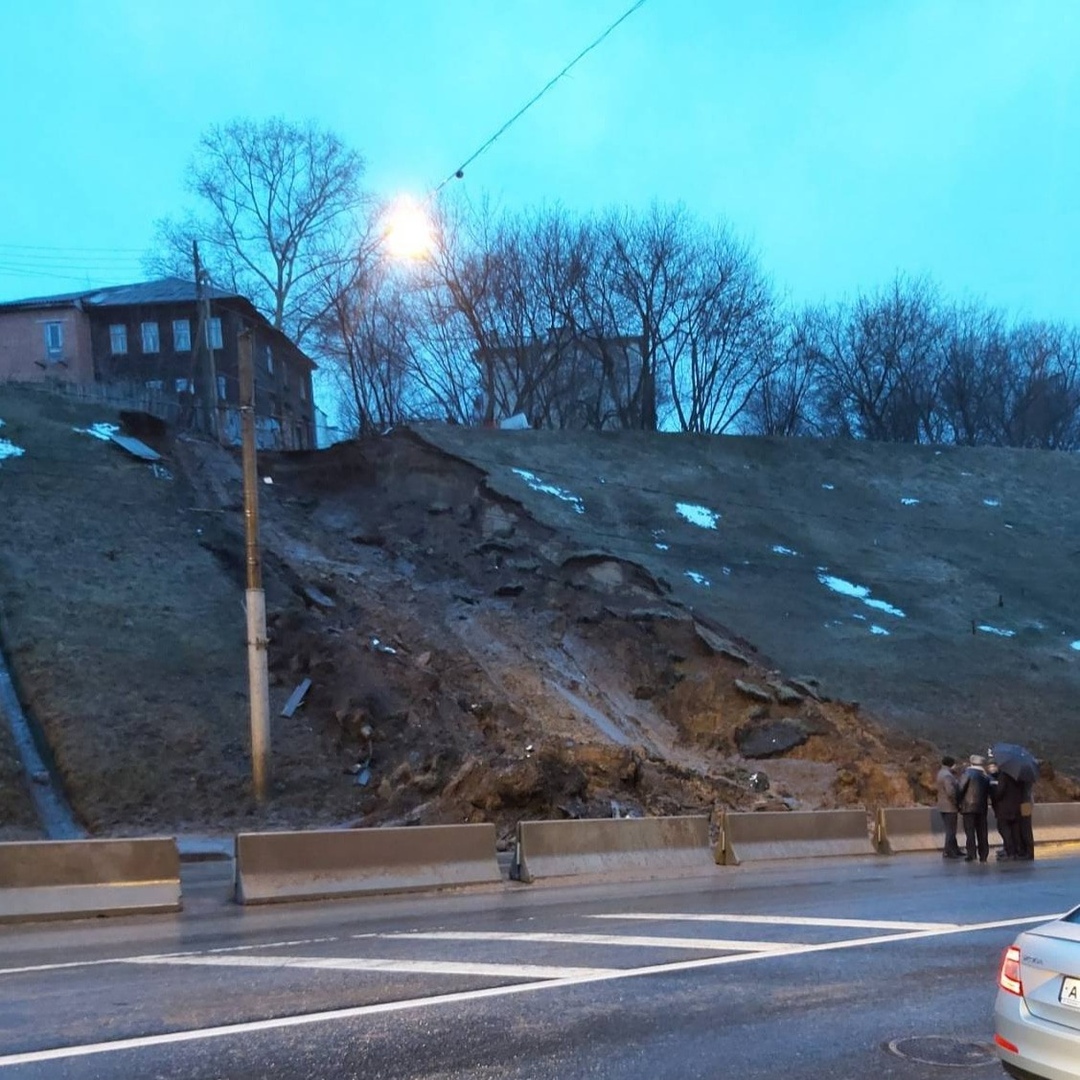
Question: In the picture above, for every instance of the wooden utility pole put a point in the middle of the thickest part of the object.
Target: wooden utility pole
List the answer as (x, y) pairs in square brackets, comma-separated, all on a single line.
[(258, 674)]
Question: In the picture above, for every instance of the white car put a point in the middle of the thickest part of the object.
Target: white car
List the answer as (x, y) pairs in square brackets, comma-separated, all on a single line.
[(1037, 1013)]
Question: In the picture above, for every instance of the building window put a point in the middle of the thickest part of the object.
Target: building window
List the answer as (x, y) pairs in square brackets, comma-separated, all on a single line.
[(155, 384), (118, 339), (181, 335), (183, 386), (151, 339), (268, 354), (54, 338), (213, 334), (221, 387), (302, 385)]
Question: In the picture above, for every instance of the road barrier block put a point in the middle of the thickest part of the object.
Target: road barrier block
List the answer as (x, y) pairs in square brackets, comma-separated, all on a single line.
[(1056, 822), (793, 835), (282, 866), (67, 879), (915, 828), (647, 846)]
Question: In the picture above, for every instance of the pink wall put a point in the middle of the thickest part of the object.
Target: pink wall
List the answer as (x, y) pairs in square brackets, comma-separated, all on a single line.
[(23, 356)]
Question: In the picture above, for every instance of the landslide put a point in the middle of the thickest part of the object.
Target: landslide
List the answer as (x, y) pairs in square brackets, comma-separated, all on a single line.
[(468, 660)]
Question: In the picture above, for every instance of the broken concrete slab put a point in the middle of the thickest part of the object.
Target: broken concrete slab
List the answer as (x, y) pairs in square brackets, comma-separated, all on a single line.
[(753, 690)]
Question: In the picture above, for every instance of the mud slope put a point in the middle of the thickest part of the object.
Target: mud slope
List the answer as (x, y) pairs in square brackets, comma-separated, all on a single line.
[(485, 644)]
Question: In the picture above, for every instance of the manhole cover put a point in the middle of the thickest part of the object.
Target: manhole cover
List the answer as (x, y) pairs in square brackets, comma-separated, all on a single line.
[(943, 1050)]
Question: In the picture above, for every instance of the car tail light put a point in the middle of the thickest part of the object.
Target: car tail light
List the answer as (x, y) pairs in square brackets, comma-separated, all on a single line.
[(1009, 976), (1006, 1045)]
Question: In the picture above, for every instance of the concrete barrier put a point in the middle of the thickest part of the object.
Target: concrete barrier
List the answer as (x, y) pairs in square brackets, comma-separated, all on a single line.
[(64, 879), (793, 835), (283, 866), (1056, 822), (547, 849), (916, 828)]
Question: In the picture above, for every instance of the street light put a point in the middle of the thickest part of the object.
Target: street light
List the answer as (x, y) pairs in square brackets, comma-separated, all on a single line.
[(407, 230)]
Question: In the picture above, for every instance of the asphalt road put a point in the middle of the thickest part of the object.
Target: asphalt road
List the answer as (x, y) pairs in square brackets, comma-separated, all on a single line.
[(858, 968)]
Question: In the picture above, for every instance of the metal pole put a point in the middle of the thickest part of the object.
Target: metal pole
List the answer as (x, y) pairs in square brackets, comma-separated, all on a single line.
[(258, 674)]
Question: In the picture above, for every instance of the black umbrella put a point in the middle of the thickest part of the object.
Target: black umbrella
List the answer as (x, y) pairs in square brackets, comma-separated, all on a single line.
[(1017, 761)]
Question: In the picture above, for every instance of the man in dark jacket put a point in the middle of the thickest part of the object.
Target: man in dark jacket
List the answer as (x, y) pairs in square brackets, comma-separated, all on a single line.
[(1006, 794), (973, 796), (947, 805)]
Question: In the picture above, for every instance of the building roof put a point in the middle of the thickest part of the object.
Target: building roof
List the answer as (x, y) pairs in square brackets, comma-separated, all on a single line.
[(168, 290)]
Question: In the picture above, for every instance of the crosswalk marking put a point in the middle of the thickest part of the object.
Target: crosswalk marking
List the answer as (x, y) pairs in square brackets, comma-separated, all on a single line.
[(296, 1020), (783, 920), (705, 944), (400, 967)]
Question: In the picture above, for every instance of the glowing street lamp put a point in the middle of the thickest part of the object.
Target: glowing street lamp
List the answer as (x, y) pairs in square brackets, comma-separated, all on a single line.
[(408, 231)]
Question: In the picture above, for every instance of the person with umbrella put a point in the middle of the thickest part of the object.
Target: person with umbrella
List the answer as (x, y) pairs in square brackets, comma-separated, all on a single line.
[(1005, 798), (1020, 766)]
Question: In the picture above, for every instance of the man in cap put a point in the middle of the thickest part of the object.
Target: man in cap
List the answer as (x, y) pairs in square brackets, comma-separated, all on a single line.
[(973, 796), (948, 806)]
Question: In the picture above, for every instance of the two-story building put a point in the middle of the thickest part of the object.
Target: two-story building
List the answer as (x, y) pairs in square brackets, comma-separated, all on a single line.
[(145, 336)]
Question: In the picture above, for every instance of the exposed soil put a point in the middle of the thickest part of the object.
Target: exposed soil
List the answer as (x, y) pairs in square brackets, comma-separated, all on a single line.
[(478, 650)]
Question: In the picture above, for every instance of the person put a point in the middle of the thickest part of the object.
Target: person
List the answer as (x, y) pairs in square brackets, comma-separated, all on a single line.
[(1025, 832), (1005, 798), (948, 806), (973, 798)]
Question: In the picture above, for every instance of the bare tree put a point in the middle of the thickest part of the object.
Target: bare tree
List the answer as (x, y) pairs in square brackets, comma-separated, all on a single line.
[(782, 400), (877, 365), (278, 204)]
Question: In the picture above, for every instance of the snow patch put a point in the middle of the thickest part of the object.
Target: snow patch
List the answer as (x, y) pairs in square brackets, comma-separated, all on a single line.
[(779, 549), (997, 632), (1075, 645), (10, 450), (698, 579), (858, 592), (661, 547), (701, 516), (991, 502), (550, 489), (910, 502), (828, 487), (100, 431), (875, 629)]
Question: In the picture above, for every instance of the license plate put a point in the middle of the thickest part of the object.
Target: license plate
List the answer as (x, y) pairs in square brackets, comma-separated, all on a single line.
[(1070, 992)]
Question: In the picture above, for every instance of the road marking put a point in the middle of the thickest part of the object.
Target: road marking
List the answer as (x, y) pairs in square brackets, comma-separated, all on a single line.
[(708, 944), (34, 968), (282, 1022), (786, 920), (401, 967)]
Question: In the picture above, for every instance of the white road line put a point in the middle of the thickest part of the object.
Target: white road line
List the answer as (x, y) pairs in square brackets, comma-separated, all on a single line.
[(400, 967), (33, 968), (282, 1022), (707, 944), (785, 920)]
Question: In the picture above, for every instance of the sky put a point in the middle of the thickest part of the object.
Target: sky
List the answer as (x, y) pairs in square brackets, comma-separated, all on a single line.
[(845, 140)]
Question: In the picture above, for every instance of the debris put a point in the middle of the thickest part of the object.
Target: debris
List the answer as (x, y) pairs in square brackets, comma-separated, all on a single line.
[(378, 646), (752, 690), (759, 781), (161, 472), (295, 698), (317, 597), (423, 659), (771, 738), (268, 479), (135, 447), (363, 777)]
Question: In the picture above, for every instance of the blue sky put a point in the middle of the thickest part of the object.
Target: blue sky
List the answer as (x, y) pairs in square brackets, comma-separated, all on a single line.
[(845, 139)]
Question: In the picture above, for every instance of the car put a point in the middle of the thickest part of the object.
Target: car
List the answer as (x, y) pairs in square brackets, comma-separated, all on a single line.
[(1037, 1012)]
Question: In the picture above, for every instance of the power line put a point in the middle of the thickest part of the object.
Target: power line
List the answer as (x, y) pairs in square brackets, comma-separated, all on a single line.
[(460, 170), (79, 250)]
